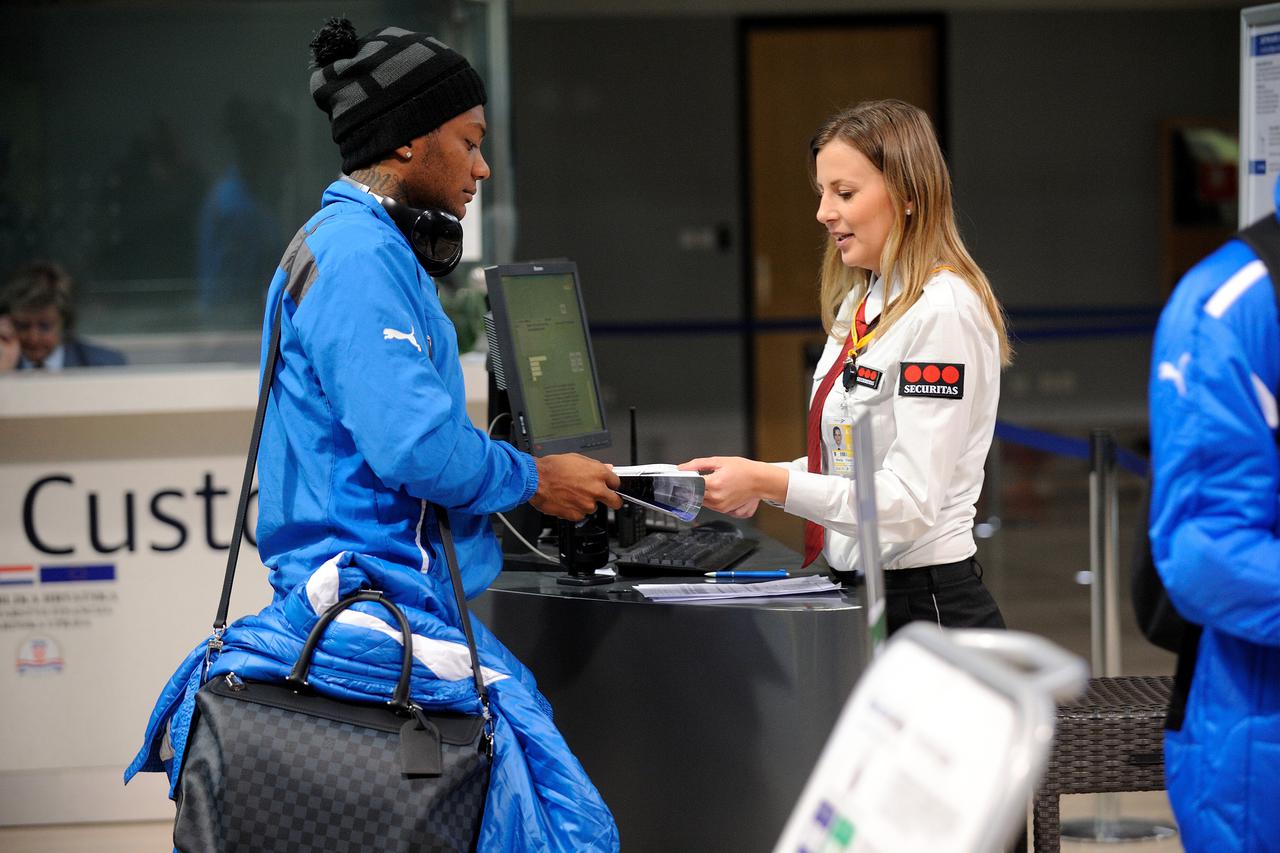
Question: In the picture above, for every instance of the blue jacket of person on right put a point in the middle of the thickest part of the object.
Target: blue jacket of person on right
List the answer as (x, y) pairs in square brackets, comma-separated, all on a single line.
[(1215, 536)]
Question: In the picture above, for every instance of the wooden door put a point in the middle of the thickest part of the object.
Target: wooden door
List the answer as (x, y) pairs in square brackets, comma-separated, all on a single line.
[(796, 76)]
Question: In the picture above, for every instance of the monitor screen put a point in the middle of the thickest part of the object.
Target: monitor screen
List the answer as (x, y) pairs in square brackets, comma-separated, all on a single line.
[(544, 357)]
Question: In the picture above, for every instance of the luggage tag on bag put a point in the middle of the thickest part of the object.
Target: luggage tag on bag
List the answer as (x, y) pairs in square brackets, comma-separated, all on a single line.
[(420, 752)]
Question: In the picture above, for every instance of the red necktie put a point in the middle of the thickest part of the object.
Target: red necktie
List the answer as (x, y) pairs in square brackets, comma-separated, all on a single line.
[(814, 533), (860, 325)]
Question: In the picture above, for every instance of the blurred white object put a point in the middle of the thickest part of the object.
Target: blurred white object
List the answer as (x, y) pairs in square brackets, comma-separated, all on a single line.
[(939, 746)]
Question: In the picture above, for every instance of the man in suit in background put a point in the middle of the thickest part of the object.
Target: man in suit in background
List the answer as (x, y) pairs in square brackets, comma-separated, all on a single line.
[(41, 301)]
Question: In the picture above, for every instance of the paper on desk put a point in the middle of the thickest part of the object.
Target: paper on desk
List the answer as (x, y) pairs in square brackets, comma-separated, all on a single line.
[(707, 591)]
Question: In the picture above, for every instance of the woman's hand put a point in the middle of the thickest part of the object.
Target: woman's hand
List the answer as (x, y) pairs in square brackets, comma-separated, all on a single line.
[(735, 486)]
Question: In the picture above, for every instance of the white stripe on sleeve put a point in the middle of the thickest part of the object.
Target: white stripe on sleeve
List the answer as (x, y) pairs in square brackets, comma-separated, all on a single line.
[(1266, 401), (322, 586), (422, 518), (450, 661), (1233, 288)]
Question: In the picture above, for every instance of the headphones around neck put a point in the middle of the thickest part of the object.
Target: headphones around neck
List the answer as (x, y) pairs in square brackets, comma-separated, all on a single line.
[(434, 235)]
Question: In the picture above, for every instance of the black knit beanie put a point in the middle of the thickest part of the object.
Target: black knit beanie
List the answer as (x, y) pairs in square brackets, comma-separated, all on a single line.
[(389, 87)]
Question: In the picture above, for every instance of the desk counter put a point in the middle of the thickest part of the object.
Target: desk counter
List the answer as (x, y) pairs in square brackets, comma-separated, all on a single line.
[(698, 722)]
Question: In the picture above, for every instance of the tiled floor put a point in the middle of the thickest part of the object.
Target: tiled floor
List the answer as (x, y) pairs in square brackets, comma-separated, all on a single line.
[(1032, 565), (139, 837), (89, 838), (1151, 805)]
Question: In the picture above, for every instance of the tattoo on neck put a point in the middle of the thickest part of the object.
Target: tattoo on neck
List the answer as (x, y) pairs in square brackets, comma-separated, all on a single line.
[(382, 183)]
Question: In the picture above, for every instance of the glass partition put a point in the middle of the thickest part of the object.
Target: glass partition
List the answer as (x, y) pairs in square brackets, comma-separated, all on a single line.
[(164, 153)]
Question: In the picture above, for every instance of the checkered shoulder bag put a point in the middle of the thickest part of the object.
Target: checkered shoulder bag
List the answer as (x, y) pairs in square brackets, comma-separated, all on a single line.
[(278, 767)]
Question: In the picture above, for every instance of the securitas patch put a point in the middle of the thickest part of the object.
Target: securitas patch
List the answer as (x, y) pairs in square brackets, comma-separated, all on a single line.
[(931, 379), (868, 376)]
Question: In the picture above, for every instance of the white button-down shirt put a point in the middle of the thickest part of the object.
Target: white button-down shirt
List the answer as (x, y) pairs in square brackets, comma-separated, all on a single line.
[(932, 411), (56, 360)]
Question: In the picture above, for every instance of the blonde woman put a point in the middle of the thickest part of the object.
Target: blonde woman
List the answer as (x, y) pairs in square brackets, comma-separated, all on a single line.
[(916, 343)]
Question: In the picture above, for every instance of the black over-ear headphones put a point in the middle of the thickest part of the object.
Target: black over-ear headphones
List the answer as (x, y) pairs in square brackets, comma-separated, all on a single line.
[(434, 235)]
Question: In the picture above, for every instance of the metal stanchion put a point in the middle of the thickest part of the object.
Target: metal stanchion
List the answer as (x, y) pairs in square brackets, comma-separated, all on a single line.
[(1104, 553), (1106, 826), (988, 528)]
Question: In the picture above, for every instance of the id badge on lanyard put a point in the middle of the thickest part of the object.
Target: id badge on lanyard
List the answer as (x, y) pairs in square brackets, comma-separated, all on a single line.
[(840, 426), (840, 433)]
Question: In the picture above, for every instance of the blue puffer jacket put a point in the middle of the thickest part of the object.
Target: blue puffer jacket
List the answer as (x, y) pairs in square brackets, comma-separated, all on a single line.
[(1215, 535), (366, 426)]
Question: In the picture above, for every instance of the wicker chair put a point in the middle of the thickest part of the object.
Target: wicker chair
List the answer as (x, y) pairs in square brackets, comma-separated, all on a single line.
[(1110, 740)]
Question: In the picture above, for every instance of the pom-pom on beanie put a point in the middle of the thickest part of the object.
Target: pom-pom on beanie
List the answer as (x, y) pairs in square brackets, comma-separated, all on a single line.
[(389, 87)]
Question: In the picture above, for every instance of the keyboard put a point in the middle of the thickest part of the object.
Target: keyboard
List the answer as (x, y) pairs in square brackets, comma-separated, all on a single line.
[(685, 552)]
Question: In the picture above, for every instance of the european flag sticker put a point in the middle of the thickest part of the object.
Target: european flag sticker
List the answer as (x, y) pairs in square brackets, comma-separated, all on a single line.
[(1257, 167), (17, 575), (77, 574)]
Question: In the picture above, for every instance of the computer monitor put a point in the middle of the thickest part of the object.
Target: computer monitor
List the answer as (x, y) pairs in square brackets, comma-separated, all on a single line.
[(540, 352)]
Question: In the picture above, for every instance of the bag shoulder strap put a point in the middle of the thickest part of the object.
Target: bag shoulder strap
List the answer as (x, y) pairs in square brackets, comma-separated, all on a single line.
[(242, 507), (1263, 237), (255, 438), (451, 557)]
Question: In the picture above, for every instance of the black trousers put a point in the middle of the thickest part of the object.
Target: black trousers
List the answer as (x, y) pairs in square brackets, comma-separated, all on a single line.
[(951, 595)]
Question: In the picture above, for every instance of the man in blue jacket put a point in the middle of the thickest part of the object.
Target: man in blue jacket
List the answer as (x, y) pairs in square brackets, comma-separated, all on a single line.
[(366, 426), (368, 421), (1215, 537)]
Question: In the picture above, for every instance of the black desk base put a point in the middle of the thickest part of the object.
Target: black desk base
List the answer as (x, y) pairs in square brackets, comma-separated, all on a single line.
[(699, 723)]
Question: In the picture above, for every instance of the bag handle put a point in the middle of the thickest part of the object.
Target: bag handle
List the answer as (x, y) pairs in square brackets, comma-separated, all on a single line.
[(297, 679), (242, 510)]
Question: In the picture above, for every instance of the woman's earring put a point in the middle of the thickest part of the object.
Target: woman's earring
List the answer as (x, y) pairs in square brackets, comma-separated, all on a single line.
[(908, 211)]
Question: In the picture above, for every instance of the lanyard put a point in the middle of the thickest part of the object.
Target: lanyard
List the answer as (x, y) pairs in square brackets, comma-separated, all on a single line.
[(855, 347)]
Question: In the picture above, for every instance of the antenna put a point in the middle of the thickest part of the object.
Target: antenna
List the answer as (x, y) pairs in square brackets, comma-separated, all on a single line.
[(635, 459), (629, 522)]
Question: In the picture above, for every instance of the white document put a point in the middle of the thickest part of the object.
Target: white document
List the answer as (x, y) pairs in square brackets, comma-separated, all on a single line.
[(707, 591), (642, 470)]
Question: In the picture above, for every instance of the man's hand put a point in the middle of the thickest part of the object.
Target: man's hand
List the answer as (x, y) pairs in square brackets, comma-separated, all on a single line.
[(570, 485)]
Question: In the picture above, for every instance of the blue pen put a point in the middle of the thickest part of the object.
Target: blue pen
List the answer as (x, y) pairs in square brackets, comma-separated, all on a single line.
[(748, 573)]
